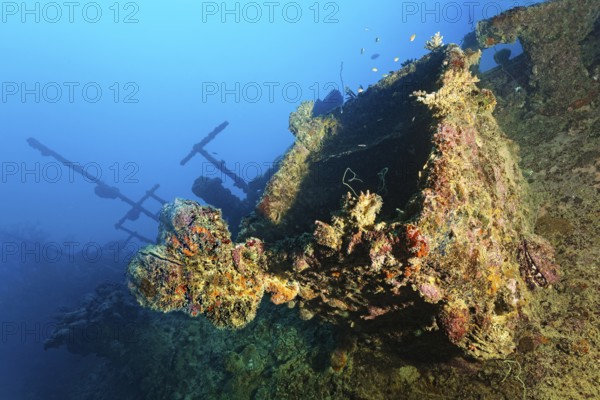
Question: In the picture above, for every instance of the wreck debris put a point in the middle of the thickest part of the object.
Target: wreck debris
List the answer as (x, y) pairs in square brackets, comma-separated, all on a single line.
[(455, 256), (536, 266), (197, 269), (567, 23)]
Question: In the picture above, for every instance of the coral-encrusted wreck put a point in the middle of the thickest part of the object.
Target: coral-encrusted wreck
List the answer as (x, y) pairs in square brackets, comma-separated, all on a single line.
[(433, 238)]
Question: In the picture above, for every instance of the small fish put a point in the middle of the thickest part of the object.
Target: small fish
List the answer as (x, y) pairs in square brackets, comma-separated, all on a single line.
[(360, 89), (396, 59), (362, 51), (412, 37), (366, 28), (374, 69), (385, 75), (362, 145), (375, 56), (377, 40), (215, 153)]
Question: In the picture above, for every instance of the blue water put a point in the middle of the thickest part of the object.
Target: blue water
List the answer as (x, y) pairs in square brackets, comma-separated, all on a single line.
[(124, 90)]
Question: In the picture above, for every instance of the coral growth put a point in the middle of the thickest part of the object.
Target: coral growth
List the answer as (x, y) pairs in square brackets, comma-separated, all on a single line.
[(567, 22), (462, 255), (197, 269), (435, 42)]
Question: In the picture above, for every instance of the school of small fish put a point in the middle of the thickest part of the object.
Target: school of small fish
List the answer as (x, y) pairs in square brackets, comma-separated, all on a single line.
[(375, 56)]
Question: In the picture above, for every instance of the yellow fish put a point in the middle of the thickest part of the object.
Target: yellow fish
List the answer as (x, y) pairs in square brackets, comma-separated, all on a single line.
[(374, 69), (413, 36), (396, 59)]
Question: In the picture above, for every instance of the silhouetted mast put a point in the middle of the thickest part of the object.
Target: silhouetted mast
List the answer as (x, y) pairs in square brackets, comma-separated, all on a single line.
[(199, 148), (108, 192)]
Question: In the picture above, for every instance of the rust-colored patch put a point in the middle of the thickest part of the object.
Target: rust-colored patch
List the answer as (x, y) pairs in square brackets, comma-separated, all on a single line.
[(490, 41)]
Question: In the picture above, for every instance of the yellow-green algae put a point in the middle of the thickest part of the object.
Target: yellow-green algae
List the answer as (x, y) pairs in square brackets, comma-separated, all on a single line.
[(449, 265)]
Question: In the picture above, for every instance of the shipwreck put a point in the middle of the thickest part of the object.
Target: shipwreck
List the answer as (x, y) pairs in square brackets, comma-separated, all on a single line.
[(405, 217)]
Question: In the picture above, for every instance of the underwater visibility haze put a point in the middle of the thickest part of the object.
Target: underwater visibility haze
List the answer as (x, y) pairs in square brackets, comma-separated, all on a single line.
[(300, 200)]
